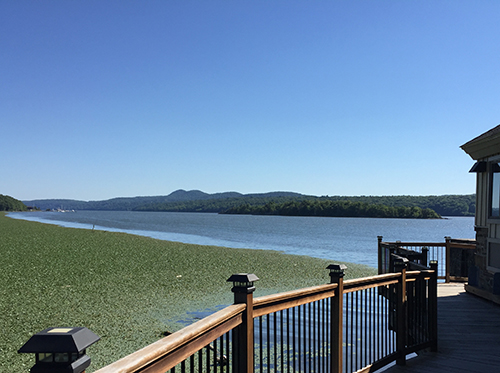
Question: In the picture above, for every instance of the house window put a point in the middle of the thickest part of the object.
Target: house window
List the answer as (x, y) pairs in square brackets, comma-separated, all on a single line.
[(494, 255), (495, 190)]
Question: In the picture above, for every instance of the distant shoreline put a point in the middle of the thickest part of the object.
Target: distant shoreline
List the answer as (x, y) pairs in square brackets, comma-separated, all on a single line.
[(198, 201)]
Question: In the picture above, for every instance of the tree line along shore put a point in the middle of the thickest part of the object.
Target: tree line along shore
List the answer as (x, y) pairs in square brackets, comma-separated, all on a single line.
[(127, 289), (280, 203)]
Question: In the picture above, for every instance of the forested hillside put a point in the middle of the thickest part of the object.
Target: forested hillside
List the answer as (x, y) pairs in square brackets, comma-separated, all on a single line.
[(179, 200), (198, 201), (331, 208), (447, 205), (219, 205), (8, 203)]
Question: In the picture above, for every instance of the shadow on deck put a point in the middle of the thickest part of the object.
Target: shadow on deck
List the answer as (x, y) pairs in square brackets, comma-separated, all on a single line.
[(468, 335)]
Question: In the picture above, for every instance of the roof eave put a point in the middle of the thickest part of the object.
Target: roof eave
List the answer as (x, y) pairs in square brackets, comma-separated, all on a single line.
[(484, 146)]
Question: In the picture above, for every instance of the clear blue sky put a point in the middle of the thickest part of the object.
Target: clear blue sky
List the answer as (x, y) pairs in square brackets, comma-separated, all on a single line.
[(100, 99)]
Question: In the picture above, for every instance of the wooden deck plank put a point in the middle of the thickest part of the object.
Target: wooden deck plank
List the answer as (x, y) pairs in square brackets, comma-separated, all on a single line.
[(468, 336)]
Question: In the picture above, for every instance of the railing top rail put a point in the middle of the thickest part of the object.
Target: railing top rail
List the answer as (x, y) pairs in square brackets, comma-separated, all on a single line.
[(426, 244), (371, 281), (293, 294), (412, 275), (417, 266), (158, 349), (463, 240), (467, 246)]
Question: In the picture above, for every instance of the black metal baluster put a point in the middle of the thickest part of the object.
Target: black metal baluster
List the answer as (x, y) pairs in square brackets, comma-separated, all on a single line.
[(221, 354), (385, 319), (306, 349), (371, 325), (261, 346), (229, 351), (326, 327), (299, 341), (379, 322), (309, 347), (275, 342), (357, 330), (282, 356), (268, 342), (368, 326), (191, 364), (345, 363), (294, 339), (387, 311), (288, 340), (314, 340), (207, 352), (352, 331)]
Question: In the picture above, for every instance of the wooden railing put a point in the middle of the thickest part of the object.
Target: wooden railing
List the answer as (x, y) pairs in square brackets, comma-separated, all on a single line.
[(454, 256), (357, 325)]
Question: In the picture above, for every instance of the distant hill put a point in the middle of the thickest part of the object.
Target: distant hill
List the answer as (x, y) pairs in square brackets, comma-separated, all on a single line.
[(8, 203), (198, 201), (139, 203)]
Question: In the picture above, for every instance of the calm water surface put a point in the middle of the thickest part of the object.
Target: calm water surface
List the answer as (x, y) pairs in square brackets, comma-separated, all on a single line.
[(343, 239)]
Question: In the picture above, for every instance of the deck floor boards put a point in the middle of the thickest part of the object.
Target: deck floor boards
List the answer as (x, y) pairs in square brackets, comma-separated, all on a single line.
[(468, 336)]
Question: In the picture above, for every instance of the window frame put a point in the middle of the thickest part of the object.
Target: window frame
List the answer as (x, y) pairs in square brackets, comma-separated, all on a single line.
[(491, 192), (492, 220), (495, 241)]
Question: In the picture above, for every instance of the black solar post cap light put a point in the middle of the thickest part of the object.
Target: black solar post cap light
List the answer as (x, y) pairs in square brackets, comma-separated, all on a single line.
[(60, 350)]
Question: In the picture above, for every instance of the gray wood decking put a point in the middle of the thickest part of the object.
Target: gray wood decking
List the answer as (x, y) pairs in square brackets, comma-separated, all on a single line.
[(468, 335)]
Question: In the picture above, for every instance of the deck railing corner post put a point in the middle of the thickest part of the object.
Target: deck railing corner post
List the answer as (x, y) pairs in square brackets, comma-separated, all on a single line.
[(447, 258), (425, 256), (380, 269), (400, 265), (243, 338), (336, 313), (433, 310)]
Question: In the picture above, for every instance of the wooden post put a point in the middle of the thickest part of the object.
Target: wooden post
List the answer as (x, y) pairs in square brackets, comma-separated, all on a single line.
[(336, 314), (401, 327), (433, 310), (448, 259), (379, 238), (243, 342), (425, 256)]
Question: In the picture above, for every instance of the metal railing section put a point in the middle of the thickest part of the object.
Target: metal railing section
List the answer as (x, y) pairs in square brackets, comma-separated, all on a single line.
[(205, 346), (454, 256), (353, 326)]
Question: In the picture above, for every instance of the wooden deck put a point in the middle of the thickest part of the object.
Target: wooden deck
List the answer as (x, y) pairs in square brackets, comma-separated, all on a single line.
[(469, 335)]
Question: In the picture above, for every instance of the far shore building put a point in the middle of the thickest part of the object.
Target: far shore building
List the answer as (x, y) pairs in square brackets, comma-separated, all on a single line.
[(484, 275)]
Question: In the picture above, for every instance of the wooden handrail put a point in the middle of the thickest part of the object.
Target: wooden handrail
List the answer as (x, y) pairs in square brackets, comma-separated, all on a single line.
[(431, 244), (286, 295), (466, 246), (281, 301), (157, 350)]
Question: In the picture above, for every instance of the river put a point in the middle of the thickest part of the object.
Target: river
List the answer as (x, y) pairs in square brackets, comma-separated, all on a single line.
[(342, 239)]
